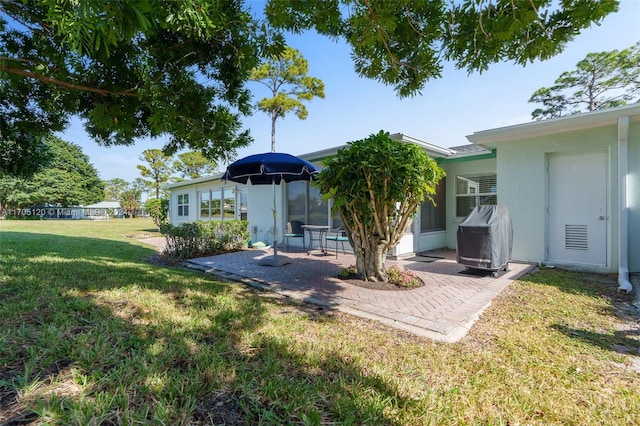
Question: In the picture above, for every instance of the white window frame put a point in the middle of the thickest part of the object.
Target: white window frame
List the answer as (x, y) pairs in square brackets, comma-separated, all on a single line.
[(474, 189), (183, 205)]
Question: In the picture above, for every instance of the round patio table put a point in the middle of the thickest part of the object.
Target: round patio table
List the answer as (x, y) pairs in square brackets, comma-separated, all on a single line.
[(316, 233)]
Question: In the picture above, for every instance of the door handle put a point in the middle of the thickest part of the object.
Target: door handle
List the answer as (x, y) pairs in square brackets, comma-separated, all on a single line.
[(601, 218)]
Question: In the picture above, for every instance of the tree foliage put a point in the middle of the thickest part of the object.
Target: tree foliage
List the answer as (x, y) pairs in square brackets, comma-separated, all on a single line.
[(601, 80), (403, 44), (158, 209), (158, 169), (113, 188), (285, 75), (69, 180), (192, 165), (377, 185), (178, 69), (130, 69), (130, 201)]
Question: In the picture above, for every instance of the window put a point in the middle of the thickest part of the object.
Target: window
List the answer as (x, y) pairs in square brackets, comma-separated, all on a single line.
[(243, 198), (216, 204), (432, 218), (212, 205), (318, 208), (475, 190), (183, 205), (297, 201), (305, 203), (205, 205), (229, 203)]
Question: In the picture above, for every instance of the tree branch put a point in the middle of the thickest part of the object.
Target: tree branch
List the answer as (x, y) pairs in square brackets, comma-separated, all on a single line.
[(66, 84)]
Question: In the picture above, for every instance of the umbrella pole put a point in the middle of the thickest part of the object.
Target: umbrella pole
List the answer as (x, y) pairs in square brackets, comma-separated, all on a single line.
[(275, 238), (275, 260)]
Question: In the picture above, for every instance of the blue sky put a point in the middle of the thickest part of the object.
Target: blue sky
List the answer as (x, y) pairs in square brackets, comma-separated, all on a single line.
[(448, 109)]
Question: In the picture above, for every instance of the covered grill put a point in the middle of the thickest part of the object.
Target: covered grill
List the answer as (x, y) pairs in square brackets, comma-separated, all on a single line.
[(485, 239)]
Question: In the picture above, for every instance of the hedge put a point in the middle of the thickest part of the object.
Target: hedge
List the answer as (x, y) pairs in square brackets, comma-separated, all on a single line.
[(203, 238)]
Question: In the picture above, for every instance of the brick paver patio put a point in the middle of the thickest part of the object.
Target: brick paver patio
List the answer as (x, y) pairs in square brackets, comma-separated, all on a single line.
[(444, 309)]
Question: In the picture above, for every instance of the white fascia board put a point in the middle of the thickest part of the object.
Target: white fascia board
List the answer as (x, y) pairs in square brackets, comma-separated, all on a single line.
[(588, 120), (432, 150), (318, 155), (216, 177)]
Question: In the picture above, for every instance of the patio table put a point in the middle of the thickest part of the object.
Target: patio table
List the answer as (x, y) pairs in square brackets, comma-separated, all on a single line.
[(319, 231)]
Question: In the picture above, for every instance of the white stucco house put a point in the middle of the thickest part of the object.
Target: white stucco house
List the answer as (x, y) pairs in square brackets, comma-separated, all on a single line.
[(572, 185)]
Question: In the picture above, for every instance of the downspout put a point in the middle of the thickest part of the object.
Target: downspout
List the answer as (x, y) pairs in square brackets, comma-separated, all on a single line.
[(623, 222)]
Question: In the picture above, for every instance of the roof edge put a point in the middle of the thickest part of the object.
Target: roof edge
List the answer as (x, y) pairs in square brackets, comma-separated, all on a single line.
[(588, 120)]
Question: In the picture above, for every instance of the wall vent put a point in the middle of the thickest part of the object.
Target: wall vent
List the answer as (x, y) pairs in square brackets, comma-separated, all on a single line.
[(576, 237)]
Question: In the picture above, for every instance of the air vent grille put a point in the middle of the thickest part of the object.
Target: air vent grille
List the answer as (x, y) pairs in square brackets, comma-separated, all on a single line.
[(576, 237)]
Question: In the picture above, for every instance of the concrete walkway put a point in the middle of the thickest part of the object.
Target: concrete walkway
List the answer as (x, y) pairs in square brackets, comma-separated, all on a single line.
[(444, 309)]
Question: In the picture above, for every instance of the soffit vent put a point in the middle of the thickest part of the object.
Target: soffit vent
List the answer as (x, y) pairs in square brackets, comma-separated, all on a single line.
[(576, 237)]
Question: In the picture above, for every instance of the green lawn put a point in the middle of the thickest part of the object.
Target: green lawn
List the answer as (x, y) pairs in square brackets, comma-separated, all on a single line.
[(92, 333)]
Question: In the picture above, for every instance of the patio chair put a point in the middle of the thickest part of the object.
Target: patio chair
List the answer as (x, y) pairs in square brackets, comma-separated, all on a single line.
[(337, 235), (294, 230)]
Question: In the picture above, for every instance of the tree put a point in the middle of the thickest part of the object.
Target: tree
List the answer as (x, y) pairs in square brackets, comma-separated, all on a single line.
[(130, 201), (285, 75), (158, 209), (69, 180), (377, 185), (141, 186), (178, 69), (158, 171), (21, 155), (175, 69), (601, 80), (193, 164), (113, 188)]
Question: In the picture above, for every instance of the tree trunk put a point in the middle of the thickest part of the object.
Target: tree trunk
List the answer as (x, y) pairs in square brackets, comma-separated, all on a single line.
[(370, 257), (274, 117)]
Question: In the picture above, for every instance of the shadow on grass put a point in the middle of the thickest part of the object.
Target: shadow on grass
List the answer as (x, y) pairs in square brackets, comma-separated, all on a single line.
[(626, 339), (134, 342), (581, 283), (623, 341)]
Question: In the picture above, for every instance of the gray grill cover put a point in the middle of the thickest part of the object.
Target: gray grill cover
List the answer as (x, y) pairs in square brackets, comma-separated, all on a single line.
[(485, 238)]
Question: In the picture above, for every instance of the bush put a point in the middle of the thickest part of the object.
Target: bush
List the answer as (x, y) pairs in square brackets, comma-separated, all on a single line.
[(158, 209), (200, 238), (403, 277)]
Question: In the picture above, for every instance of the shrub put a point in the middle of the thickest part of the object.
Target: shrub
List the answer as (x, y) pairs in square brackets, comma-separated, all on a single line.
[(158, 209), (200, 238), (348, 272), (402, 277)]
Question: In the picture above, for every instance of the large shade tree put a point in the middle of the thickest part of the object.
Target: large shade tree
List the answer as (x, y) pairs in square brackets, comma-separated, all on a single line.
[(285, 76), (69, 179), (177, 69), (601, 80), (129, 69), (377, 185)]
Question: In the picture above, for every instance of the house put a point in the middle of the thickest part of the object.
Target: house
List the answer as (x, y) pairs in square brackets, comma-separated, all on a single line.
[(572, 185)]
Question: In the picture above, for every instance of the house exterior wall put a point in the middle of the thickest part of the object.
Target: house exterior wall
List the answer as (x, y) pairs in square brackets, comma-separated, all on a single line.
[(260, 215), (633, 192), (173, 205), (454, 169), (523, 184)]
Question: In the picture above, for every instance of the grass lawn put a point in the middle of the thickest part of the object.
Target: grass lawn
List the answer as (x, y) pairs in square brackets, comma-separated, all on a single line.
[(92, 333)]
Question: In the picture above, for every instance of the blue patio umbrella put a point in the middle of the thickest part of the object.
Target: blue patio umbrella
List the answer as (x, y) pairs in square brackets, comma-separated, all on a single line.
[(270, 168)]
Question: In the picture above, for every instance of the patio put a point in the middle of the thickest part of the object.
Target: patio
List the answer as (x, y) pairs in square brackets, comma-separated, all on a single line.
[(444, 309)]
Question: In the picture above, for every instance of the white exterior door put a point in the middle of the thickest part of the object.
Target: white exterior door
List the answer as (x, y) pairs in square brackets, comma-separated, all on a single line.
[(577, 213)]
